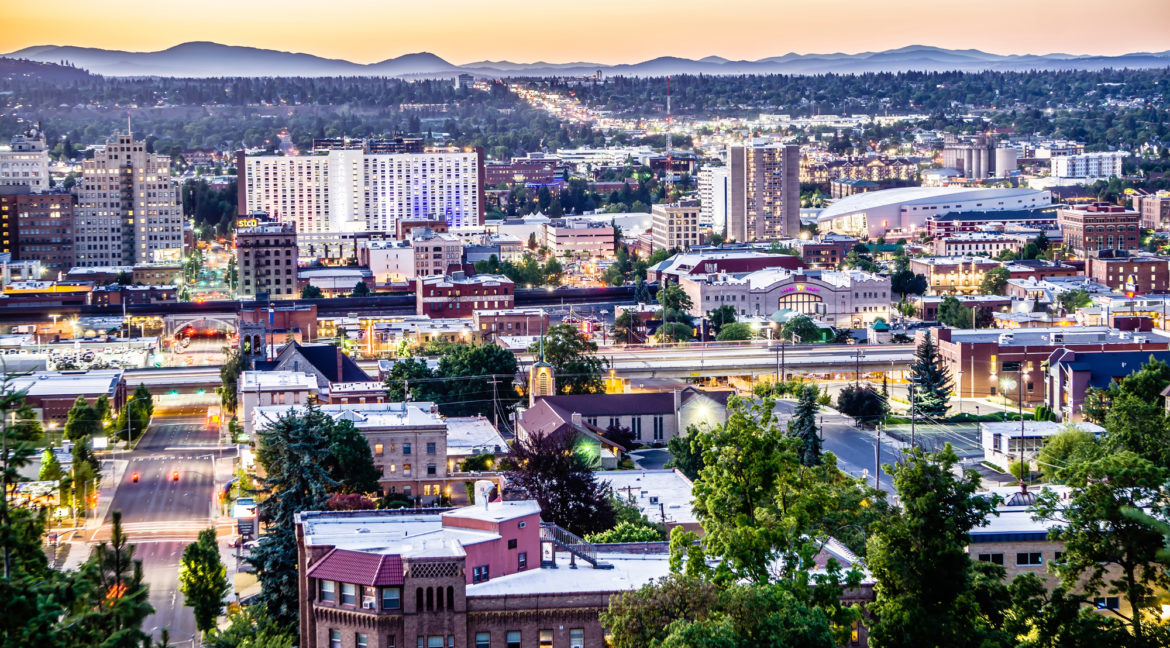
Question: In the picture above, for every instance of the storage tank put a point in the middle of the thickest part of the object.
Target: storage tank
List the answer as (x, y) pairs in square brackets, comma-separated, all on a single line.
[(1005, 161)]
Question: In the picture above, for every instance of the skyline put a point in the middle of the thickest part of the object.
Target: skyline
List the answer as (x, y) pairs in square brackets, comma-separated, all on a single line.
[(469, 32)]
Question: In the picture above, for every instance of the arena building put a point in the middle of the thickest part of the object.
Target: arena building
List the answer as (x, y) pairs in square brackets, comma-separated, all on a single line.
[(906, 209)]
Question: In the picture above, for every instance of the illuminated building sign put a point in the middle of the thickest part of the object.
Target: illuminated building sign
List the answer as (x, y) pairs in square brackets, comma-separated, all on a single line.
[(799, 288)]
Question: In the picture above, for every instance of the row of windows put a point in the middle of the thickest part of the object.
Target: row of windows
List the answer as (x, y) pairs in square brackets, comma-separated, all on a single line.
[(1023, 558)]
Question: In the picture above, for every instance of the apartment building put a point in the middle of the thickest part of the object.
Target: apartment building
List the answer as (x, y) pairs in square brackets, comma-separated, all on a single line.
[(435, 253), (1098, 226), (24, 163), (976, 243), (1105, 164), (128, 209), (266, 260), (675, 226), (714, 198), (1132, 274), (764, 191)]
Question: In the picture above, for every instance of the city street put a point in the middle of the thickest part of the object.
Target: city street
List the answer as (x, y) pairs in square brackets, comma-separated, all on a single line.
[(853, 446), (160, 514)]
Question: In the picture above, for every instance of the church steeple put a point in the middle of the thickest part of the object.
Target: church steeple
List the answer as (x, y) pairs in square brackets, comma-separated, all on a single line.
[(541, 377)]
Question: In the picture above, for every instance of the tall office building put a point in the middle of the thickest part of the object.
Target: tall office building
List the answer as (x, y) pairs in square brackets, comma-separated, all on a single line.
[(266, 258), (764, 191), (128, 208), (37, 227), (675, 225), (713, 198), (24, 164), (344, 192)]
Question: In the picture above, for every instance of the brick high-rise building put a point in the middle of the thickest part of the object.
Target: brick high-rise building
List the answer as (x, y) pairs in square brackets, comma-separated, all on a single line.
[(764, 187), (128, 208), (1154, 210), (38, 227), (675, 225), (266, 260)]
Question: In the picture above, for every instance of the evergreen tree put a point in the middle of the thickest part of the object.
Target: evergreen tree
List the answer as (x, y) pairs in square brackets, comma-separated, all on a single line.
[(203, 579), (925, 591), (931, 380), (294, 457), (351, 464), (50, 466), (123, 590), (82, 421), (803, 426)]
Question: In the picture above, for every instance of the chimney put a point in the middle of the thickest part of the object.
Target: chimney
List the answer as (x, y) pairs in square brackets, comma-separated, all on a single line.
[(340, 356)]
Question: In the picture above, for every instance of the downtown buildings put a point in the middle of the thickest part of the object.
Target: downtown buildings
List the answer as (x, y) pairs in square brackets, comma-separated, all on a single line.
[(24, 163), (763, 191), (345, 193)]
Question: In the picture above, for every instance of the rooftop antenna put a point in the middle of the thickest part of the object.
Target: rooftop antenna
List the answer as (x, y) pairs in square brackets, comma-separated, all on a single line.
[(128, 133), (669, 139)]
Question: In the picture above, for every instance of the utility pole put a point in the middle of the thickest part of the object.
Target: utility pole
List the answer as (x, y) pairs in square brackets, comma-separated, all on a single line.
[(913, 417), (877, 460)]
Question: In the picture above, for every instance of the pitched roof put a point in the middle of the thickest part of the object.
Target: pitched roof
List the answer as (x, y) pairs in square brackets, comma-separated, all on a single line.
[(327, 359), (358, 568)]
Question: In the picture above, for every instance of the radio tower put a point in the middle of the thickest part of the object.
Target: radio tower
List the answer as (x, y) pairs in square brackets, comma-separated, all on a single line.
[(669, 141)]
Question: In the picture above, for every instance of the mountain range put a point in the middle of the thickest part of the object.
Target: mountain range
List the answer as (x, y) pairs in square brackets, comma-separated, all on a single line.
[(205, 59)]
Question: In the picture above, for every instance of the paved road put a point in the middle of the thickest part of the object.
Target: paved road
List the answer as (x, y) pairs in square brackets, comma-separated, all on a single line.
[(162, 515), (854, 447)]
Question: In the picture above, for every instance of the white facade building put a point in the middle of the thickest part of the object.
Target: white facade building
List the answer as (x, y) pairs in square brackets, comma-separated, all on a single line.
[(1089, 165), (350, 190), (906, 208), (675, 225), (713, 198), (25, 162), (128, 210), (849, 298), (390, 261)]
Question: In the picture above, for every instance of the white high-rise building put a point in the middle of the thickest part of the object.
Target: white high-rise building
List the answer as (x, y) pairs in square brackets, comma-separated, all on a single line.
[(348, 191), (713, 198), (25, 162), (128, 208), (1089, 165)]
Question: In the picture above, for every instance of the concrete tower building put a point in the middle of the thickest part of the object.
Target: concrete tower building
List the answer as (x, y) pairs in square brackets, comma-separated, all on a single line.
[(128, 207), (764, 191), (24, 164)]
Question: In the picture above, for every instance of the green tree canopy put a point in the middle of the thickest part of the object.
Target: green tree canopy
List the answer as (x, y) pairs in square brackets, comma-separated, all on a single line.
[(203, 579), (572, 356), (930, 378), (735, 332), (994, 281)]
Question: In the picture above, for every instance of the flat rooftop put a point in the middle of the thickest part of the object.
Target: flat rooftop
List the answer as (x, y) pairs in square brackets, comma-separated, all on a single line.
[(655, 492)]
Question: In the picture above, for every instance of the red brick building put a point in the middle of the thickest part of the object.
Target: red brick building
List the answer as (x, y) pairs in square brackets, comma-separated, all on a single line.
[(460, 296), (515, 321), (517, 172), (1098, 226), (1131, 274), (38, 227), (51, 394)]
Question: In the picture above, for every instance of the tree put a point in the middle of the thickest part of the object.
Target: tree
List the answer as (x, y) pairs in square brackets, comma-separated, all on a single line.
[(686, 454), (1107, 552), (1071, 300), (294, 457), (803, 426), (103, 409), (311, 292), (479, 379), (924, 578), (360, 289), (1070, 447), (735, 332), (861, 402), (672, 297), (625, 532), (571, 355), (120, 579), (994, 281), (349, 502), (675, 332), (229, 378), (721, 317), (82, 421), (350, 464), (203, 580), (251, 627), (800, 328), (404, 372), (931, 380), (552, 470), (907, 282), (954, 314), (50, 466), (626, 326)]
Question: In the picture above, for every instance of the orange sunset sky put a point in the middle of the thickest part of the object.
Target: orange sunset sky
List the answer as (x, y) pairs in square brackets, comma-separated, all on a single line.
[(602, 31)]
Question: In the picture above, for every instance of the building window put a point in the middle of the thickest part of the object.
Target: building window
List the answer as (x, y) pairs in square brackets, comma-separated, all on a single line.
[(1029, 558), (435, 641), (431, 448), (546, 638), (328, 593), (391, 598), (522, 560), (479, 574), (432, 470), (377, 449), (406, 470), (577, 638), (334, 639), (993, 558), (513, 639), (405, 448), (511, 543), (483, 640), (363, 640), (658, 428), (1107, 603), (348, 594)]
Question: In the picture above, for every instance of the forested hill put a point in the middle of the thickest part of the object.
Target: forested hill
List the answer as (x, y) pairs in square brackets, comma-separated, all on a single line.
[(14, 69)]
